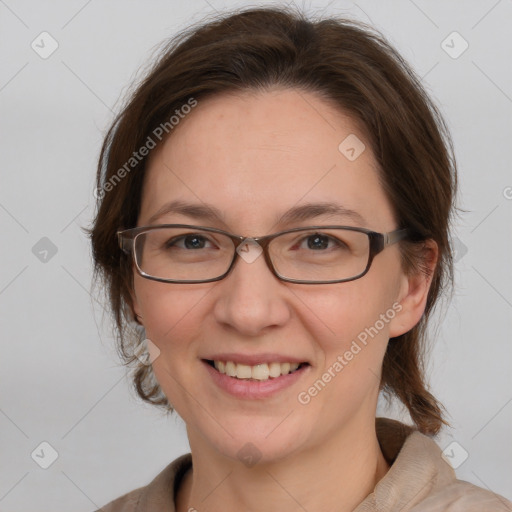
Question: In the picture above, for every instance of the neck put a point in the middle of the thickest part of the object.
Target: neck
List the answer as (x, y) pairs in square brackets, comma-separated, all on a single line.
[(334, 475)]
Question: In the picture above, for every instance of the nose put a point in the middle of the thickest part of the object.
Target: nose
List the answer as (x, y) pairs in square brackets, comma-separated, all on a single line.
[(251, 299)]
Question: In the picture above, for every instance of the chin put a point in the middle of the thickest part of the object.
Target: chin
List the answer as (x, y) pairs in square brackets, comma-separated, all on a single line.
[(252, 441)]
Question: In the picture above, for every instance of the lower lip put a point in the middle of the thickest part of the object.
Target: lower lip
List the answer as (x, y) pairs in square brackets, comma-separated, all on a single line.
[(253, 389)]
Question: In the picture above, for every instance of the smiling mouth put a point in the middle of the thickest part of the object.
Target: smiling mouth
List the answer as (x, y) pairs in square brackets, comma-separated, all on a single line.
[(258, 372)]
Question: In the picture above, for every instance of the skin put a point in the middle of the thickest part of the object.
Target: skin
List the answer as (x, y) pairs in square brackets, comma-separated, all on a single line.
[(254, 156)]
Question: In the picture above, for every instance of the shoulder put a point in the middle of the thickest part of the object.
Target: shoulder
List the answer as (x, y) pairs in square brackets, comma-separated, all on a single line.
[(126, 503), (421, 480), (461, 496), (158, 495)]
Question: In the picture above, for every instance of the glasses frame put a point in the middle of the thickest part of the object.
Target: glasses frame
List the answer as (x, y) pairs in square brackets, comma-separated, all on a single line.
[(378, 242)]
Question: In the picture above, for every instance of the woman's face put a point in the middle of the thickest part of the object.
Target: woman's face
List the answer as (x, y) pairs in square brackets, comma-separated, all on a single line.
[(253, 157)]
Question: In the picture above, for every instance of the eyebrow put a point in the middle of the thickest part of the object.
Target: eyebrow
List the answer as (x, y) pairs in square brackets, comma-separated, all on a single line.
[(312, 210), (206, 212), (195, 211)]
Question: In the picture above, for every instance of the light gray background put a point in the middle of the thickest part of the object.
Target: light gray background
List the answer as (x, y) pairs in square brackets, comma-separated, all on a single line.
[(60, 379)]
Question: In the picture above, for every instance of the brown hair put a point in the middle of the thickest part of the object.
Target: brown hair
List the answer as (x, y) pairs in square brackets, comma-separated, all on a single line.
[(348, 64)]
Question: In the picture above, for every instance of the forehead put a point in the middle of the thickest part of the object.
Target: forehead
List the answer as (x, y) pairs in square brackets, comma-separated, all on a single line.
[(253, 155)]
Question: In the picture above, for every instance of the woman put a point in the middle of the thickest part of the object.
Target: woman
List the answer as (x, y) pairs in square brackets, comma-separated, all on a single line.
[(273, 213)]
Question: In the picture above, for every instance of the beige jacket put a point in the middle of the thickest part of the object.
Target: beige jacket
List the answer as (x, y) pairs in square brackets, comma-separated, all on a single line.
[(419, 480)]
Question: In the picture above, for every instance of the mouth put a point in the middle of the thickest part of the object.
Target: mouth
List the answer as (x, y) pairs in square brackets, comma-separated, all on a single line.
[(259, 372)]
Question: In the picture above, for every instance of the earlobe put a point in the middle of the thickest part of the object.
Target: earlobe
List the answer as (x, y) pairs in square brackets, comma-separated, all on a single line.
[(414, 291)]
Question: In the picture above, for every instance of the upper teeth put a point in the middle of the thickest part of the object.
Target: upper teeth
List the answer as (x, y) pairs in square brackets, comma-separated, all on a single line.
[(261, 371)]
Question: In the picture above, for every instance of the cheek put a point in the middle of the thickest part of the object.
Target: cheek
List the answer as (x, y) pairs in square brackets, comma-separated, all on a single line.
[(350, 337), (170, 312), (350, 325), (174, 318), (340, 313)]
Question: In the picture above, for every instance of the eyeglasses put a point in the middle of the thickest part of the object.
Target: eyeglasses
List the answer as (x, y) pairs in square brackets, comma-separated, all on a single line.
[(181, 253)]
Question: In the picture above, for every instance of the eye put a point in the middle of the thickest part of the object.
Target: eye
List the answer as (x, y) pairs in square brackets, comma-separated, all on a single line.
[(191, 241), (320, 242)]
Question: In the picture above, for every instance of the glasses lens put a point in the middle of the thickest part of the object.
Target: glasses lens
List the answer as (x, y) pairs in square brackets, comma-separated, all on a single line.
[(183, 254), (321, 254)]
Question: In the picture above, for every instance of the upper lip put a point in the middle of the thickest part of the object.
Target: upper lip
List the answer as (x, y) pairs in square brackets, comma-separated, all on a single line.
[(254, 359)]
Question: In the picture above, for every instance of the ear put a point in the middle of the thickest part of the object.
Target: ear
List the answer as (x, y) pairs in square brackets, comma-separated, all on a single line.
[(414, 290)]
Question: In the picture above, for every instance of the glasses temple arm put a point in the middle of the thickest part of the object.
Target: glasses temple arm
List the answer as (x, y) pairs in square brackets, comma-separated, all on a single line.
[(395, 236)]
